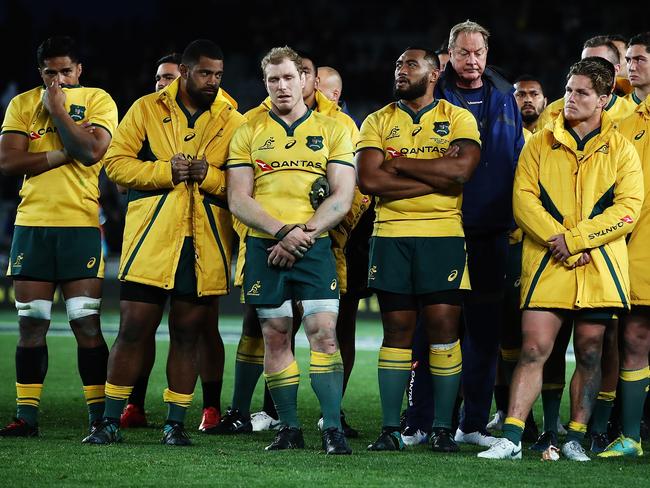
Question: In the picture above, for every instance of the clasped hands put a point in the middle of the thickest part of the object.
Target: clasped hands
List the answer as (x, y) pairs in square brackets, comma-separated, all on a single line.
[(560, 251), (291, 246)]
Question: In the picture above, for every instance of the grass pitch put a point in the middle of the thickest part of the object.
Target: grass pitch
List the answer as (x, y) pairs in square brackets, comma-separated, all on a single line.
[(58, 457)]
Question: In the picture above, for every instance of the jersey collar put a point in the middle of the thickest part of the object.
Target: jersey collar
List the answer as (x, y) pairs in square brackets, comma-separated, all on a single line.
[(290, 128), (416, 117)]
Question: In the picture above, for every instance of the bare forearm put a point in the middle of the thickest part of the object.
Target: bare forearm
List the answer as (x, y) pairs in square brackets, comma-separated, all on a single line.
[(441, 173), (250, 212), (78, 142), (329, 213), (16, 163)]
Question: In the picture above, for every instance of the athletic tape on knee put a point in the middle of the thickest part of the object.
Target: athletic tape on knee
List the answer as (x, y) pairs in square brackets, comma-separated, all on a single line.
[(80, 307), (311, 307), (283, 310), (36, 309)]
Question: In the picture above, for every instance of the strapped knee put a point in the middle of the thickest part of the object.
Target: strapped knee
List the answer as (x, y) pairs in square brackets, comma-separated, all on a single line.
[(311, 307), (36, 309), (284, 310), (80, 307)]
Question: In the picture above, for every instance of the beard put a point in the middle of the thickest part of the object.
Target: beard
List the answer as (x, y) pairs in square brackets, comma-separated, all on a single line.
[(412, 91), (529, 117), (202, 99)]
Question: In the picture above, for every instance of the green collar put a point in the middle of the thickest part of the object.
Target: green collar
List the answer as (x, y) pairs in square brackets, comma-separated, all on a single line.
[(581, 143), (191, 119), (290, 128), (611, 102), (417, 116), (636, 99)]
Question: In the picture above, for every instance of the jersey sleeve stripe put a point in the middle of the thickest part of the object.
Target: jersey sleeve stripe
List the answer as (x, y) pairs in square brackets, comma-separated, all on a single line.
[(338, 161), (368, 147), (10, 131), (105, 128), (238, 165)]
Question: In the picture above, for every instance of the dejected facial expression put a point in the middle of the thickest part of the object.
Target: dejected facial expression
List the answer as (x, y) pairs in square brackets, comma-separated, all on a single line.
[(284, 85), (581, 100), (638, 65), (165, 74), (469, 56), (61, 70), (203, 80), (413, 75), (311, 78), (530, 100)]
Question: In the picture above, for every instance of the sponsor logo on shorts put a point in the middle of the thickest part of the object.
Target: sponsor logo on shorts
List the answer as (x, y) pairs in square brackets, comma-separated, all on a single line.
[(394, 132), (441, 128), (416, 131), (18, 263), (315, 143), (290, 144), (263, 166), (91, 262), (627, 219), (189, 137), (639, 135), (333, 285), (371, 272), (453, 275), (267, 145), (77, 112), (255, 289)]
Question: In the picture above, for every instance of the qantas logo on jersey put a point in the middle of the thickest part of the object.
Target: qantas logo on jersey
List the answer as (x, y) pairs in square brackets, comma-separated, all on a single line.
[(41, 132), (394, 132), (639, 135), (263, 166), (411, 151)]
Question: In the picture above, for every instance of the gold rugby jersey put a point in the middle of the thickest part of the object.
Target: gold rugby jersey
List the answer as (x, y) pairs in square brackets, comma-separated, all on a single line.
[(396, 131), (617, 109), (287, 160), (633, 98), (67, 196), (636, 129)]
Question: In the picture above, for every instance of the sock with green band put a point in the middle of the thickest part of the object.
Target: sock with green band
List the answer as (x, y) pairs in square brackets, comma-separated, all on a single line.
[(513, 429), (576, 432), (634, 389), (283, 387), (326, 374), (394, 372), (177, 405), (116, 397), (249, 366), (445, 366), (602, 411), (551, 401)]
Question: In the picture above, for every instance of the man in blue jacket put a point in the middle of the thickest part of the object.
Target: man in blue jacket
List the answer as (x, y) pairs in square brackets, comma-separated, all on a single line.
[(487, 219)]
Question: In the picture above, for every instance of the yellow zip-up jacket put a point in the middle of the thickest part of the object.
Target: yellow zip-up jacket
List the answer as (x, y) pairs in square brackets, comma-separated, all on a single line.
[(591, 192), (617, 109), (636, 129), (138, 159)]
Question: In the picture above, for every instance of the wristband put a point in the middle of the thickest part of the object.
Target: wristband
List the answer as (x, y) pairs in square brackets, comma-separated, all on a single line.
[(279, 235)]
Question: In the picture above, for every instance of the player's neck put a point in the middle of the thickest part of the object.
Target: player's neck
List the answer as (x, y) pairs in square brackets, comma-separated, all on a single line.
[(587, 126), (419, 103), (531, 125), (299, 110), (642, 92), (310, 101)]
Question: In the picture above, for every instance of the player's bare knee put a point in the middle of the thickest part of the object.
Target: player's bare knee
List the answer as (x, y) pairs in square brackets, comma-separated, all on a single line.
[(535, 352)]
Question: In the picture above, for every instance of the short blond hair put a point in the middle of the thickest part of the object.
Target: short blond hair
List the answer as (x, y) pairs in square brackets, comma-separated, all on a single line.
[(467, 27), (279, 54)]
